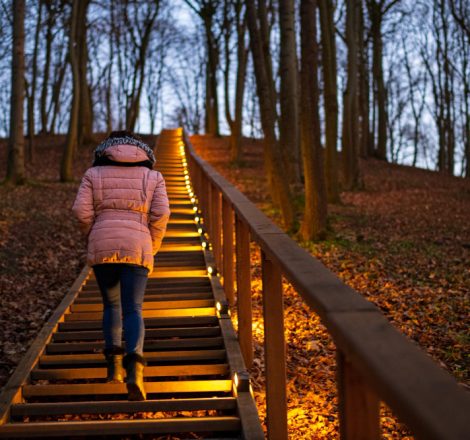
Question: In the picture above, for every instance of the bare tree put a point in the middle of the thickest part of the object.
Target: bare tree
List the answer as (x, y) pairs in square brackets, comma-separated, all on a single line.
[(315, 215), (442, 83), (289, 119), (85, 112), (66, 169), (234, 17), (277, 182), (377, 11), (15, 163), (31, 94), (330, 98), (135, 24), (207, 10), (416, 97), (350, 138)]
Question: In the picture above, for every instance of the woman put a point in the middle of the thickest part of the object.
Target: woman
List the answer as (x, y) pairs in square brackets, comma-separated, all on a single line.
[(123, 209)]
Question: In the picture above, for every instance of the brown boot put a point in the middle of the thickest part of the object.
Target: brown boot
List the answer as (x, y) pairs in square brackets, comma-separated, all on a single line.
[(134, 365), (114, 364)]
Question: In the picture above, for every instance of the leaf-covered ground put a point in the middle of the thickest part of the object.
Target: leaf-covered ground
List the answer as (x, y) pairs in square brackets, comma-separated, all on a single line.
[(403, 242)]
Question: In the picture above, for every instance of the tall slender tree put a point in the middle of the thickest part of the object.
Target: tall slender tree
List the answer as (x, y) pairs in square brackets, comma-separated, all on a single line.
[(315, 216), (15, 164), (350, 140), (289, 119), (85, 112), (377, 11), (33, 84), (277, 182), (330, 98), (235, 122), (207, 9), (66, 169)]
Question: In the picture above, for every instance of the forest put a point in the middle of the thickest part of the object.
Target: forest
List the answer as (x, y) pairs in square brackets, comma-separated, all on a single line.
[(346, 121), (382, 78)]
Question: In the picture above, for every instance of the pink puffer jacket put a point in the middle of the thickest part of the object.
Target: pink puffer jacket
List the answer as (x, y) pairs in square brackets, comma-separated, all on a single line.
[(124, 210)]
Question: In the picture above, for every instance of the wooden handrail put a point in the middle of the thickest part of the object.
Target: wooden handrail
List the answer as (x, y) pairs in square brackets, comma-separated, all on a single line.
[(375, 361)]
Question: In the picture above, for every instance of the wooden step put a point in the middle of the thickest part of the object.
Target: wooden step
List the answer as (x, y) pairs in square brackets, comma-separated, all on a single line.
[(111, 407), (120, 427), (96, 298), (79, 389), (199, 311), (152, 344), (150, 305), (93, 335), (149, 322), (72, 360), (149, 371)]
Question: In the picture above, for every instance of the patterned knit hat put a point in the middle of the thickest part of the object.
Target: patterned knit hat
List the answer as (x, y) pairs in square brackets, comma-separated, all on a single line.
[(123, 139)]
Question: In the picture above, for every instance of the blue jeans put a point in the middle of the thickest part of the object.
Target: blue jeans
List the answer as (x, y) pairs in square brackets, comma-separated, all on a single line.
[(122, 287)]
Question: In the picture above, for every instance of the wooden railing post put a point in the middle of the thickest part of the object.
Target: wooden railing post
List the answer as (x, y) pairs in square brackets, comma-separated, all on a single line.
[(244, 305), (216, 219), (274, 349), (359, 414), (205, 197), (227, 225), (208, 218)]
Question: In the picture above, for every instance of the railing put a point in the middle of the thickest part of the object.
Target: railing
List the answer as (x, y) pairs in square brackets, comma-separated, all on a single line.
[(375, 362)]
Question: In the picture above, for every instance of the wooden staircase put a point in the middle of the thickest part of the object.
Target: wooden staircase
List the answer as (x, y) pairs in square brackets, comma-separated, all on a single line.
[(191, 348)]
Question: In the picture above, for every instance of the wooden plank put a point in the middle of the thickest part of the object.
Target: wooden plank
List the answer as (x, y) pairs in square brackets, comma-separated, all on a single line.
[(248, 413), (180, 386), (359, 407), (274, 349), (244, 305), (163, 283), (119, 427), (154, 290), (150, 371), (165, 273), (227, 269), (200, 311), (149, 322), (82, 347), (151, 357), (111, 407), (216, 229), (150, 305), (19, 377), (149, 297), (149, 333)]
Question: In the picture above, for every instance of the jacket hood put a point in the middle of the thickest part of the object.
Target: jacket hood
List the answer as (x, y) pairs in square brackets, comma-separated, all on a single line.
[(125, 153), (124, 149)]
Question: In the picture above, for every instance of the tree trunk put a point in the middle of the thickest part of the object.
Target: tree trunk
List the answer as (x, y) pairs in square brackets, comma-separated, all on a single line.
[(265, 36), (330, 99), (278, 185), (212, 101), (54, 107), (236, 135), (132, 111), (32, 95), (315, 215), (289, 119), (66, 170), (350, 138), (235, 122), (377, 69), (366, 144), (85, 112), (15, 164), (46, 73)]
